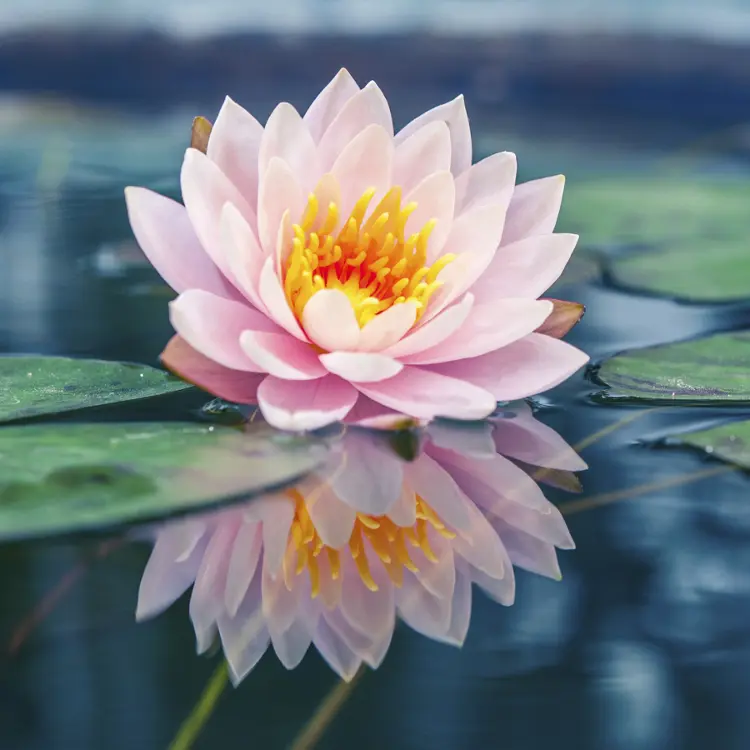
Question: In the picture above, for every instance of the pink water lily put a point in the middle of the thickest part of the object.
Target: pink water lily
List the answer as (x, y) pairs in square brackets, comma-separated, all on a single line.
[(368, 539), (322, 258)]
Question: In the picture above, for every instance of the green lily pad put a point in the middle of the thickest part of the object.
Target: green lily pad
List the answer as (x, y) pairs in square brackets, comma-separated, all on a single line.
[(691, 235), (713, 370), (32, 386), (60, 478), (728, 442)]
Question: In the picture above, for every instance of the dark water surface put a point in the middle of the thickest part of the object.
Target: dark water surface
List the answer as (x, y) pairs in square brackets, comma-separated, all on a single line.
[(644, 644)]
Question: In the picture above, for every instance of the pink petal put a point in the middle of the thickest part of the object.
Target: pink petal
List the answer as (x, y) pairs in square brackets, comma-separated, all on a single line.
[(282, 356), (372, 613), (274, 300), (460, 609), (528, 552), (243, 563), (423, 612), (244, 255), (205, 190), (472, 439), (502, 590), (330, 588), (388, 327), (454, 114), (365, 162), (327, 191), (488, 481), (368, 413), (481, 547), (332, 518), (329, 320), (286, 137), (489, 181), (305, 405), (233, 147), (212, 326), (527, 439), (369, 476), (244, 637), (366, 107), (291, 644), (279, 191), (435, 197), (426, 151), (280, 605), (525, 368), (563, 317), (236, 386), (488, 327), (425, 395), (276, 512), (340, 658), (404, 511), (329, 103), (439, 577), (435, 331), (549, 526), (372, 652), (526, 268), (431, 482), (169, 573), (361, 367), (164, 232), (534, 208)]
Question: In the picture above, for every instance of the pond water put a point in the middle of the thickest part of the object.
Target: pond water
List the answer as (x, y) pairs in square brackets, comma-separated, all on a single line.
[(643, 644)]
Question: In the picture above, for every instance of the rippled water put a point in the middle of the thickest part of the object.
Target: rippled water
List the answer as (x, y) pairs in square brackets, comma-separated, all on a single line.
[(642, 645)]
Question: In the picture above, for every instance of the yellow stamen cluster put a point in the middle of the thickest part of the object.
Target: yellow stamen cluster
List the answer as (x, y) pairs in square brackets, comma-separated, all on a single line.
[(370, 259), (390, 542)]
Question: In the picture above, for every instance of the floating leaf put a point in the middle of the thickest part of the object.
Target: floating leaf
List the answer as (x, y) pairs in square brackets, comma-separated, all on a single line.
[(690, 236), (729, 442), (711, 370), (32, 386), (68, 477)]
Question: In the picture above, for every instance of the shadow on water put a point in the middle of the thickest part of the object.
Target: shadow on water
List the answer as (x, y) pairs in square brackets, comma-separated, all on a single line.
[(642, 645)]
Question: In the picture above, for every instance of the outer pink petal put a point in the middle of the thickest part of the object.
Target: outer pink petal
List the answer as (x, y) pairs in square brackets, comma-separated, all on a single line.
[(480, 546), (279, 192), (243, 563), (435, 331), (282, 356), (527, 439), (526, 268), (361, 367), (528, 552), (488, 327), (460, 609), (233, 147), (388, 327), (287, 137), (474, 439), (372, 613), (244, 255), (534, 208), (426, 151), (439, 577), (329, 103), (205, 190), (372, 652), (280, 605), (425, 395), (212, 325), (291, 644), (528, 367), (454, 114), (232, 385), (274, 300), (367, 107), (435, 197), (502, 590), (329, 321), (341, 659), (276, 512), (423, 612), (365, 162), (306, 405), (163, 230), (489, 181)]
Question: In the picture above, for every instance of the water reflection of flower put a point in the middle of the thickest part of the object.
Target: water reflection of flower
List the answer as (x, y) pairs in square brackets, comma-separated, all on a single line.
[(334, 560)]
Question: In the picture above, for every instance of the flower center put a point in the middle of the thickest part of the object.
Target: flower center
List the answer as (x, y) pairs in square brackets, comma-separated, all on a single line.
[(371, 261), (390, 542)]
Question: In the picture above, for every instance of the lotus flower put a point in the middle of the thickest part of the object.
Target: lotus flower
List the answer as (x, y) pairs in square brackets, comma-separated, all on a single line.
[(370, 537), (320, 259)]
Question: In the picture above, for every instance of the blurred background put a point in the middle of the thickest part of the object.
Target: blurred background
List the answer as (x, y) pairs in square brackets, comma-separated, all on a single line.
[(644, 645)]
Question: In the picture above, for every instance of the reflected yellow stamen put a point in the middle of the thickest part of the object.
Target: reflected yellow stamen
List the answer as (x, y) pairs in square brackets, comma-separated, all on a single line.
[(370, 259), (374, 541)]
